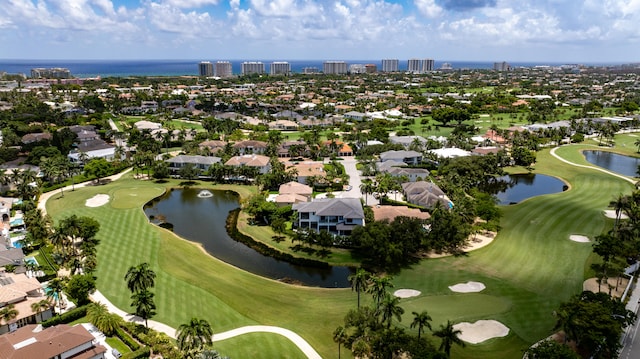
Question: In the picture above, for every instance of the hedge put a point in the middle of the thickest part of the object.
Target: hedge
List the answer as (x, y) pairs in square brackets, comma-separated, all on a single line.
[(127, 340), (67, 317), (236, 235), (143, 352)]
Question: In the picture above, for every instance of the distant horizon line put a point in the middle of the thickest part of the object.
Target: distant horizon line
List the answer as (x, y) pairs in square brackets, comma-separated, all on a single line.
[(326, 59)]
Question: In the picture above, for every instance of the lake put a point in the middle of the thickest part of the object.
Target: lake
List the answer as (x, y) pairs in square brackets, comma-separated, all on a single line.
[(624, 165), (511, 189), (202, 220)]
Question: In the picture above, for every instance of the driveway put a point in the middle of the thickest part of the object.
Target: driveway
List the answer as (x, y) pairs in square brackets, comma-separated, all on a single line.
[(355, 181)]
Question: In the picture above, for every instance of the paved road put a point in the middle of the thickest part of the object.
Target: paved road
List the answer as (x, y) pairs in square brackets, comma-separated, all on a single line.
[(631, 339), (355, 181)]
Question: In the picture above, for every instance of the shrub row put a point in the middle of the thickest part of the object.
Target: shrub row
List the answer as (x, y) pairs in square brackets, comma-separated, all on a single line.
[(235, 234), (67, 317), (144, 352), (127, 340)]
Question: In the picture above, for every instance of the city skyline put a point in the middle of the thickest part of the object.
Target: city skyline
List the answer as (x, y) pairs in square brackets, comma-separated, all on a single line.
[(473, 30)]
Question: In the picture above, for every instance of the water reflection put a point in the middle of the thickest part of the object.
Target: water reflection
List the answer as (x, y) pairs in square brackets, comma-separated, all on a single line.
[(513, 189), (624, 165)]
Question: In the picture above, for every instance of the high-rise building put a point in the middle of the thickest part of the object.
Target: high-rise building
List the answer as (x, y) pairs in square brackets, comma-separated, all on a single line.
[(205, 68), (252, 67), (224, 69), (357, 69), (310, 70), (501, 66), (334, 67), (371, 68), (50, 73), (280, 68), (420, 66), (390, 65)]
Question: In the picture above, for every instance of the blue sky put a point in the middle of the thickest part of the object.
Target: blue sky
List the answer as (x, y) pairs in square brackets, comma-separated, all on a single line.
[(577, 31)]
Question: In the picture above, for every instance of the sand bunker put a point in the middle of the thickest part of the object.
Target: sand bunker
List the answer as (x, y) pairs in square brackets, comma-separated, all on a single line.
[(609, 213), (469, 287), (97, 200), (579, 238), (481, 330), (406, 293)]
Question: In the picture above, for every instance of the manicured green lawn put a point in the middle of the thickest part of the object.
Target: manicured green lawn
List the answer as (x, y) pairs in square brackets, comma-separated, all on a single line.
[(528, 270), (117, 344)]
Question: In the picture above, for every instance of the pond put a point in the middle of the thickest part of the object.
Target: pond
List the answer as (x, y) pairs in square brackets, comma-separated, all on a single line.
[(202, 219), (516, 188), (624, 165)]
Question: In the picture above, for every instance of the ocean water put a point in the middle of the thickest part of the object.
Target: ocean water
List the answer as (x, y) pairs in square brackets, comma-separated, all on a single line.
[(123, 68)]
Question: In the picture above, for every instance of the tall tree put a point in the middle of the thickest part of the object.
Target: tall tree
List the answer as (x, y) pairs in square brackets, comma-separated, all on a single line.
[(421, 320), (193, 337), (140, 277), (359, 281), (99, 316), (378, 287), (449, 336), (340, 337), (55, 288), (40, 306), (389, 308), (144, 305)]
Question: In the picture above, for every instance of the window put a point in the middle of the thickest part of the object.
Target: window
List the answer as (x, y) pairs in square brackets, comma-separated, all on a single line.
[(304, 215)]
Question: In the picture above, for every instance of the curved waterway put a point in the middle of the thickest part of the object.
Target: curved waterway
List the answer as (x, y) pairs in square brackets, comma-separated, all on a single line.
[(202, 219), (624, 165), (511, 189)]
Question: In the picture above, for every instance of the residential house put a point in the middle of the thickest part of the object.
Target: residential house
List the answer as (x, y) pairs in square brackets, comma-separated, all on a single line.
[(390, 213), (354, 115), (411, 174), (200, 162), (250, 147), (307, 169), (450, 152), (425, 194), (293, 149), (21, 292), (408, 157), (214, 146), (283, 125), (260, 162), (89, 145), (407, 141), (335, 215), (59, 342), (36, 137), (293, 192)]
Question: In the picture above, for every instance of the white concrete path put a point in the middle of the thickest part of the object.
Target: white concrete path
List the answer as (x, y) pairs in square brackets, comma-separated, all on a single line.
[(302, 344), (98, 297), (553, 153)]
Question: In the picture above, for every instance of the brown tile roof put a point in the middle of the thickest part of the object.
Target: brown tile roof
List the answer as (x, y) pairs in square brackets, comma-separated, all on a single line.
[(24, 343), (391, 212)]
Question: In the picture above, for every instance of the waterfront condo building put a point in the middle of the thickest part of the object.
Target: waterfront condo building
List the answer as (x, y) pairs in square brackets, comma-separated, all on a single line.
[(50, 73), (280, 68), (501, 66), (390, 65), (334, 67), (252, 67), (205, 68), (224, 69), (357, 69), (420, 66)]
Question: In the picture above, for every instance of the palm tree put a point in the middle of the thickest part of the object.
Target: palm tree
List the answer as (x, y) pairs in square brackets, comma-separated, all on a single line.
[(637, 143), (39, 307), (144, 305), (390, 307), (8, 313), (378, 287), (359, 282), (449, 336), (194, 336), (55, 286), (140, 278), (421, 320), (340, 337), (367, 187), (106, 322)]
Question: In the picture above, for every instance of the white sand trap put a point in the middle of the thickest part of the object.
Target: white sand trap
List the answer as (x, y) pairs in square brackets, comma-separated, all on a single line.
[(469, 287), (407, 293), (97, 200), (481, 330), (579, 238), (609, 213)]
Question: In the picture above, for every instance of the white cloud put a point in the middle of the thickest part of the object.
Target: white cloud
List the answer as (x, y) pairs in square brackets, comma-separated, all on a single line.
[(172, 19), (428, 8), (286, 8), (189, 4)]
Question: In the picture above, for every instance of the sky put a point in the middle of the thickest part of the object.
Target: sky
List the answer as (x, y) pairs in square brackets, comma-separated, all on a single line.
[(571, 31)]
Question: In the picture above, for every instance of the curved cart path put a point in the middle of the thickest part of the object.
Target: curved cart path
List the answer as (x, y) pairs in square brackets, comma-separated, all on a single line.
[(98, 297), (553, 153)]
